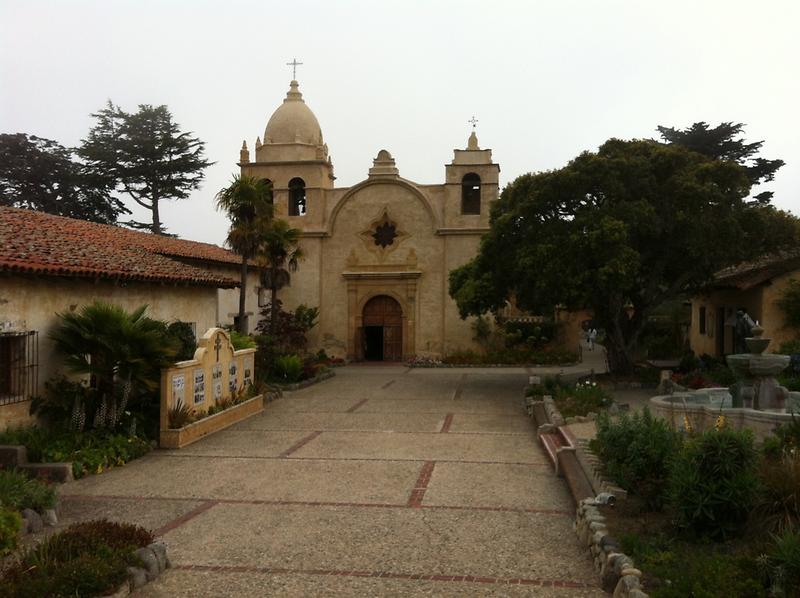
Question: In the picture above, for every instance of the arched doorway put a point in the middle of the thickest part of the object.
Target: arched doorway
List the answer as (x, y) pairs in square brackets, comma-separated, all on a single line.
[(382, 329)]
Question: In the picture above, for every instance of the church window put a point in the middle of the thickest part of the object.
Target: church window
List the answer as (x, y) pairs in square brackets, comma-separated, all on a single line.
[(385, 234), (297, 197), (471, 194)]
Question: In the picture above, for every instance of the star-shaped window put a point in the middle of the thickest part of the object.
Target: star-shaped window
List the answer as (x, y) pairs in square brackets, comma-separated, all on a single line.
[(385, 234)]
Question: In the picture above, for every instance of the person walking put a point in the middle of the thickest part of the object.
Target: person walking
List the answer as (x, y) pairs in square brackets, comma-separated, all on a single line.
[(591, 338)]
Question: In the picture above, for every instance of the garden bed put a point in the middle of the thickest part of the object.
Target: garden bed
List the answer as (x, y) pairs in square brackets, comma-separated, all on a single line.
[(64, 455), (186, 435), (92, 558)]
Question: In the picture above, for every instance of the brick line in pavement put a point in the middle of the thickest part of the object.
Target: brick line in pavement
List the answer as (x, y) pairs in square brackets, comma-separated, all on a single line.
[(543, 463), (539, 582), (356, 406), (300, 444), (421, 485), (211, 502)]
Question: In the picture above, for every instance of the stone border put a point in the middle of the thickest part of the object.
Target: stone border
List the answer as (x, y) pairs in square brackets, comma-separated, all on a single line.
[(156, 561), (617, 570), (176, 438), (15, 456), (593, 469), (306, 383)]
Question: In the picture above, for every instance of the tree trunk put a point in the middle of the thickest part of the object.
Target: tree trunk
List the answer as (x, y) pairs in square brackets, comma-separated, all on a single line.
[(242, 323), (619, 359), (273, 308), (156, 218)]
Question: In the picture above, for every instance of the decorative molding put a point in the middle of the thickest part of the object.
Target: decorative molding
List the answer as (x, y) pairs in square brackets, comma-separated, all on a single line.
[(383, 224), (463, 231), (382, 275)]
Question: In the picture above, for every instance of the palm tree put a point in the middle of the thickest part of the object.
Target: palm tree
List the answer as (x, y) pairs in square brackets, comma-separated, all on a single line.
[(119, 351), (248, 202), (279, 256)]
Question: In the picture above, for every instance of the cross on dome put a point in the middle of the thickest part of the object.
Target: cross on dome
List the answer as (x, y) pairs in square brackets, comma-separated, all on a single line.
[(473, 121), (294, 64)]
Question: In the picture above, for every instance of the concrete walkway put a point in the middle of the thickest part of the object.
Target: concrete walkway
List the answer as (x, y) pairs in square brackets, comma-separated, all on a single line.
[(382, 481)]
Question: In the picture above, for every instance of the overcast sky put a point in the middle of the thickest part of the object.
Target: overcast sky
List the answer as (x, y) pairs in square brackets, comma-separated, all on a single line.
[(546, 79)]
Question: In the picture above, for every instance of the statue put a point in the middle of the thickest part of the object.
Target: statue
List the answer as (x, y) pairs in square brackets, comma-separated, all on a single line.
[(743, 329)]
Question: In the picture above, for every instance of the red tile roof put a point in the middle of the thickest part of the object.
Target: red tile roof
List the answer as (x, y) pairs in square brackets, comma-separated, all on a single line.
[(39, 243), (751, 274)]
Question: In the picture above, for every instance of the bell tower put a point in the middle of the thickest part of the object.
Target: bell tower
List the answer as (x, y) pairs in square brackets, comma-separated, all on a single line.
[(294, 158), (471, 185)]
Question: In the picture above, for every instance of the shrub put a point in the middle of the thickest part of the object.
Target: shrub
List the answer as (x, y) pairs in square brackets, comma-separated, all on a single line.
[(10, 523), (688, 363), (581, 399), (781, 565), (86, 559), (89, 452), (288, 335), (19, 492), (63, 404), (785, 440), (289, 368), (242, 341), (179, 415), (714, 482), (681, 570), (637, 452), (791, 347), (777, 506), (182, 337)]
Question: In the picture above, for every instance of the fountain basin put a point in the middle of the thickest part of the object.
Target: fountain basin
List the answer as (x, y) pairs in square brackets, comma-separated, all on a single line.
[(749, 365), (704, 406)]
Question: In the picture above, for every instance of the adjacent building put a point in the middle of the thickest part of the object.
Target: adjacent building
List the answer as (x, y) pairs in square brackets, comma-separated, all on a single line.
[(754, 287), (51, 264)]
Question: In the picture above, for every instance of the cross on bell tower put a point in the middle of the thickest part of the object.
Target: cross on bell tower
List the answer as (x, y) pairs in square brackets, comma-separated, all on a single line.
[(473, 121), (294, 64)]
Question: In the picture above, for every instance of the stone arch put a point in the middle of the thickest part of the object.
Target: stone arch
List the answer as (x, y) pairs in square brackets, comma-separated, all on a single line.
[(382, 328), (361, 289), (415, 191)]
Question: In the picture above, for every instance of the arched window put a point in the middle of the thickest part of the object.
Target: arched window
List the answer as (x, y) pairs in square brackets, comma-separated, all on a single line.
[(268, 184), (297, 197), (471, 194)]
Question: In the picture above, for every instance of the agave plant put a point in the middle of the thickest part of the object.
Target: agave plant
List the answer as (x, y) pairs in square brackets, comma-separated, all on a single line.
[(119, 351)]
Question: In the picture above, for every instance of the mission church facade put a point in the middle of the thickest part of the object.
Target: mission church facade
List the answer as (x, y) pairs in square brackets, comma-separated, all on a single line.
[(377, 254)]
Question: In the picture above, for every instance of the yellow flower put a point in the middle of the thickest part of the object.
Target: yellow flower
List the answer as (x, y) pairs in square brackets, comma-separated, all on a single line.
[(720, 422), (687, 424)]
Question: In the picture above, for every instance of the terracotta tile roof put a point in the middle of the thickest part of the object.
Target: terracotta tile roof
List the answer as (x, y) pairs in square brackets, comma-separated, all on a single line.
[(39, 243), (751, 274)]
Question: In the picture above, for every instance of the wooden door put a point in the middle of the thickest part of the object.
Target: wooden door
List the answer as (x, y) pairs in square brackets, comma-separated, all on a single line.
[(386, 312)]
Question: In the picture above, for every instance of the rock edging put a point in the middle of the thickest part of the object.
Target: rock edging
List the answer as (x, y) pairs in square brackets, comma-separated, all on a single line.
[(33, 522), (617, 570), (155, 560)]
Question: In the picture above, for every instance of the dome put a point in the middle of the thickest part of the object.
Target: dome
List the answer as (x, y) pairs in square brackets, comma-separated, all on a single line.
[(293, 121)]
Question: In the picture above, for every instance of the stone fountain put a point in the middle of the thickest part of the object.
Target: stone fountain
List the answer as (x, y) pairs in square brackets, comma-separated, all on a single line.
[(756, 401), (757, 387)]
